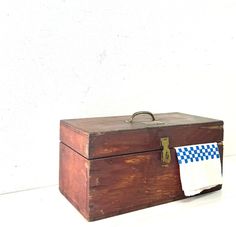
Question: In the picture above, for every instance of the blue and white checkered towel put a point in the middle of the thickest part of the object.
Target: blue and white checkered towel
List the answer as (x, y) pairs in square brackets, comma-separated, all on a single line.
[(200, 167)]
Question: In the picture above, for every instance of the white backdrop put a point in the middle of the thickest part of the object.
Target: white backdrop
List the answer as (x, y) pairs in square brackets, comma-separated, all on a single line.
[(74, 58)]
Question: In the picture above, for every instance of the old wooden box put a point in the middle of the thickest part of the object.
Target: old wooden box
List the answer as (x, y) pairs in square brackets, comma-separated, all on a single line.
[(113, 165)]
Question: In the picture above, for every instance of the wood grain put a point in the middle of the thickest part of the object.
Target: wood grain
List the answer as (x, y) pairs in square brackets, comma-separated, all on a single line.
[(119, 123), (125, 142), (109, 166), (74, 138), (73, 178), (126, 183), (105, 187), (104, 137)]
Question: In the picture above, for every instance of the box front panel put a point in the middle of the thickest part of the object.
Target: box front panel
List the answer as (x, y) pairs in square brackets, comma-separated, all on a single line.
[(130, 182)]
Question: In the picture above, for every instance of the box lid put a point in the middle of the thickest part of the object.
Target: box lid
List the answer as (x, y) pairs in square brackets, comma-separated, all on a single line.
[(109, 136)]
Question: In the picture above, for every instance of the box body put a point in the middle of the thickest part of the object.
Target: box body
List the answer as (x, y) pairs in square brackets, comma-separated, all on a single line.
[(109, 166)]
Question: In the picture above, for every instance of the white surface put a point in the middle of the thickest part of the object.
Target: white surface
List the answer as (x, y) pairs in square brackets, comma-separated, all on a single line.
[(47, 207), (80, 58)]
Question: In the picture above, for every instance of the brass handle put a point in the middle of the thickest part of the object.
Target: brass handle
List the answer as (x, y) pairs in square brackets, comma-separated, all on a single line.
[(139, 113)]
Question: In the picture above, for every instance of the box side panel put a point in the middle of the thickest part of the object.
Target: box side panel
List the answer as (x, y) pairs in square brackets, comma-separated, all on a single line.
[(77, 140), (73, 178), (131, 182), (133, 141)]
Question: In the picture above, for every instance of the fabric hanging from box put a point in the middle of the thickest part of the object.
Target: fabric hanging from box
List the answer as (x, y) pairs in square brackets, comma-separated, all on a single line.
[(200, 167)]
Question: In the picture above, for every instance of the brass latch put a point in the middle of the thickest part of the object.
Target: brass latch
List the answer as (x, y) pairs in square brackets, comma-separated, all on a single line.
[(165, 155)]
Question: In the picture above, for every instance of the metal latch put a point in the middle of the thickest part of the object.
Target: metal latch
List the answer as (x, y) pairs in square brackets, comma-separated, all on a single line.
[(165, 155)]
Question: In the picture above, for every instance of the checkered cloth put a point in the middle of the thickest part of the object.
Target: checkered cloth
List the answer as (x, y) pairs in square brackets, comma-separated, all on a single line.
[(196, 153), (200, 167)]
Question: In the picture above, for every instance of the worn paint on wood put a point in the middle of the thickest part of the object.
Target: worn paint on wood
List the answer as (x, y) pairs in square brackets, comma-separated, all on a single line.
[(73, 180), (110, 186), (105, 173), (109, 136)]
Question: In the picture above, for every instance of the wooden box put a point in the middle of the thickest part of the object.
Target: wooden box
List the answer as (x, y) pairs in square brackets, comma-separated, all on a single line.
[(113, 165)]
